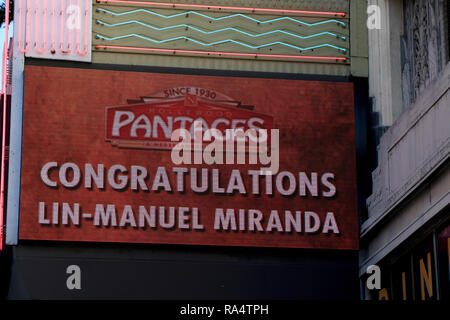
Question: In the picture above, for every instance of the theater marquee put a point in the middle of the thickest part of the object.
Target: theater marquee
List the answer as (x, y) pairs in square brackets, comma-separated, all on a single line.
[(97, 165)]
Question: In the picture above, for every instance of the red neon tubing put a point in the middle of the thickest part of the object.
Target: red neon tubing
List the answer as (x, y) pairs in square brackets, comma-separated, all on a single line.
[(61, 33), (27, 35), (53, 27), (10, 59), (221, 53), (36, 33), (5, 96), (200, 6), (86, 27), (2, 92), (69, 41)]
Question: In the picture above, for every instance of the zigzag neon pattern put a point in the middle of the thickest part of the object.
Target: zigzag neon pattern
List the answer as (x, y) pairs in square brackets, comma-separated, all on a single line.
[(220, 30), (221, 18), (220, 42)]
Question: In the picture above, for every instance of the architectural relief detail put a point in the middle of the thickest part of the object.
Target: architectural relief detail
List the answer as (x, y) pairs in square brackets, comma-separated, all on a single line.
[(411, 149), (424, 52)]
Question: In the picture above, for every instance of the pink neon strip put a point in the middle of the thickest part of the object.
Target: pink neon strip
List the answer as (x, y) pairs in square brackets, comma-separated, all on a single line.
[(53, 26), (174, 5), (3, 68), (3, 131), (61, 34), (69, 42), (2, 182), (10, 59), (86, 26), (36, 27), (221, 53), (27, 37)]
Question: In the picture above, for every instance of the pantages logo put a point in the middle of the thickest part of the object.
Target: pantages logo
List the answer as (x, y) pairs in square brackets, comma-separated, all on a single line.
[(151, 121), (182, 119)]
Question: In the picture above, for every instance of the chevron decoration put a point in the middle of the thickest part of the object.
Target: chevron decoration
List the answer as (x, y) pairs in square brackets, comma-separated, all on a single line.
[(220, 32)]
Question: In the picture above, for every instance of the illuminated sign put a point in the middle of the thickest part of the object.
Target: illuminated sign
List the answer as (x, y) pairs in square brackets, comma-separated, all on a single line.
[(97, 165), (221, 31), (55, 29)]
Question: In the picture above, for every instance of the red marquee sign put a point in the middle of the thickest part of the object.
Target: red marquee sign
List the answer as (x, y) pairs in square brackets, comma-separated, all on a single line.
[(98, 166)]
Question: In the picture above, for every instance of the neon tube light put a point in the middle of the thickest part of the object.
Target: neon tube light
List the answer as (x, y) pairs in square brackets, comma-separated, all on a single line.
[(69, 42), (174, 5), (220, 30), (254, 55), (2, 91), (61, 34), (222, 18), (10, 59), (86, 25), (53, 27), (27, 35), (38, 23), (4, 80), (36, 27), (221, 42)]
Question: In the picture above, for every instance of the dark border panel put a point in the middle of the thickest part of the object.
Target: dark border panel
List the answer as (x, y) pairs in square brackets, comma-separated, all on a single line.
[(186, 71)]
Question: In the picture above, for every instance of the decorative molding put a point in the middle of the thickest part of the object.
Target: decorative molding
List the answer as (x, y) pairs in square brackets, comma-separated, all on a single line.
[(414, 147), (423, 45)]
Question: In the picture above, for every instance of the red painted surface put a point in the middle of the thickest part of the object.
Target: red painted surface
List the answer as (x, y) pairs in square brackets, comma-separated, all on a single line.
[(64, 121)]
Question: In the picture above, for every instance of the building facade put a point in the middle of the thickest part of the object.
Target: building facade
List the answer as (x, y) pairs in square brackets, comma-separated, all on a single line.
[(406, 232), (357, 89), (98, 88)]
